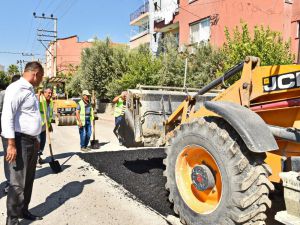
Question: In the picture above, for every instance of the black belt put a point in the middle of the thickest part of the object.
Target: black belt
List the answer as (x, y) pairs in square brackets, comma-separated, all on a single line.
[(26, 136)]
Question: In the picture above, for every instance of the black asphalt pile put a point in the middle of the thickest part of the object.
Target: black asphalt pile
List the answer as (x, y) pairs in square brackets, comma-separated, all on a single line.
[(138, 171)]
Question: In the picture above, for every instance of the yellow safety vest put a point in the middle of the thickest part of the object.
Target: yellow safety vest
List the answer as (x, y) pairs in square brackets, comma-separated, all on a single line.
[(82, 113), (43, 101), (119, 108)]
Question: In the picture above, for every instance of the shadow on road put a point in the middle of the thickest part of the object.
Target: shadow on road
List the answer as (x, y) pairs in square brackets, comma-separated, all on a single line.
[(58, 198), (61, 156), (144, 166), (47, 171), (98, 145)]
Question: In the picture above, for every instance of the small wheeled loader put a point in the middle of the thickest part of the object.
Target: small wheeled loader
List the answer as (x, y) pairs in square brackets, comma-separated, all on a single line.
[(63, 107), (224, 158)]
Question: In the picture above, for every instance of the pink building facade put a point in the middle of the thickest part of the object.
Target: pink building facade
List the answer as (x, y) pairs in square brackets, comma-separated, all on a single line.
[(205, 20), (68, 55)]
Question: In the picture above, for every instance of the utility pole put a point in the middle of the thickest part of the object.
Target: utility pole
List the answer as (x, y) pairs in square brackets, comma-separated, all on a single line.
[(29, 54), (50, 34), (20, 62)]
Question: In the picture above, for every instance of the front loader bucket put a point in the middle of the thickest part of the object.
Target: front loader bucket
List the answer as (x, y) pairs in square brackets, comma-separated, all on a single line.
[(146, 112)]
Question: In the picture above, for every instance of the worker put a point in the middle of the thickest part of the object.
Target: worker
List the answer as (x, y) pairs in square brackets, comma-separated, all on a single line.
[(21, 124), (47, 104), (4, 140), (120, 106), (85, 116)]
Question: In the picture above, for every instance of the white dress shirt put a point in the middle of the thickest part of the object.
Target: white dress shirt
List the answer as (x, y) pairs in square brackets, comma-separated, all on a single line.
[(20, 110)]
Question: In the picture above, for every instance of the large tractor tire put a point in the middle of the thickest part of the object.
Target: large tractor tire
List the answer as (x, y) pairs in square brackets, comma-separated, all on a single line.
[(212, 177)]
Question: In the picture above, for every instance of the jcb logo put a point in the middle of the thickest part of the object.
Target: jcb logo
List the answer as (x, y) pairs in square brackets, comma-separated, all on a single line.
[(282, 82)]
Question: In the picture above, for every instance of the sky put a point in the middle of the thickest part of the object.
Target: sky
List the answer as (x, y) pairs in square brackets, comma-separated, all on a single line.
[(85, 18)]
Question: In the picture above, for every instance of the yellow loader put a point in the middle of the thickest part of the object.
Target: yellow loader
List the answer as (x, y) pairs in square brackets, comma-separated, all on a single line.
[(224, 158)]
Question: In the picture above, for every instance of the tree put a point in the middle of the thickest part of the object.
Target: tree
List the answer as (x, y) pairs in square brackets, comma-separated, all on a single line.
[(4, 80), (172, 71), (12, 70), (142, 68), (100, 64), (204, 66), (266, 44), (74, 86)]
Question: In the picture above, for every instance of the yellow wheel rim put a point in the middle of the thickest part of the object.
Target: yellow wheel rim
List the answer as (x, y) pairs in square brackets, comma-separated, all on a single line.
[(200, 201)]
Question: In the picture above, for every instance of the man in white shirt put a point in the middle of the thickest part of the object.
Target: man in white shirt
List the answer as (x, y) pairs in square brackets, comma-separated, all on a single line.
[(21, 124)]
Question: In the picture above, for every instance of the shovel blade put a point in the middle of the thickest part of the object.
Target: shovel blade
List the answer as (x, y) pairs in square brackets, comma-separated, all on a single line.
[(55, 166), (94, 144)]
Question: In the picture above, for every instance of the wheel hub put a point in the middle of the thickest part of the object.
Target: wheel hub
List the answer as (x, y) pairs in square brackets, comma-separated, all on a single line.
[(202, 178)]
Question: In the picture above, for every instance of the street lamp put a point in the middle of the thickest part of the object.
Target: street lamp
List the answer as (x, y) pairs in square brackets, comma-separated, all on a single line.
[(186, 51)]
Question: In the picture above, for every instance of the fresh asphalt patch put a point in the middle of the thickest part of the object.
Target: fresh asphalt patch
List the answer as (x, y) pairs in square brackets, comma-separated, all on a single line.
[(138, 171), (141, 173)]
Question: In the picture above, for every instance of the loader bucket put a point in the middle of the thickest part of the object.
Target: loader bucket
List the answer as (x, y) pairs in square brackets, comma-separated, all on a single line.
[(146, 112)]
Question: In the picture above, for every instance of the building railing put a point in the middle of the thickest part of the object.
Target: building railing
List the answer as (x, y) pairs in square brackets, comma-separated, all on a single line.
[(138, 35), (140, 11)]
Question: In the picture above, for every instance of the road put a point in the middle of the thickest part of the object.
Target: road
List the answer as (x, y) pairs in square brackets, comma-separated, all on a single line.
[(80, 194), (126, 188)]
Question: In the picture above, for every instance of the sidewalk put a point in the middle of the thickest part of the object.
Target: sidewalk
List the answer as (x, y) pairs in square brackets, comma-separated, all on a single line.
[(106, 116)]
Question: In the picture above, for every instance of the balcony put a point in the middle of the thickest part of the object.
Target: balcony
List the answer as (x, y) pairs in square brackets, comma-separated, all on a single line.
[(139, 35), (139, 14)]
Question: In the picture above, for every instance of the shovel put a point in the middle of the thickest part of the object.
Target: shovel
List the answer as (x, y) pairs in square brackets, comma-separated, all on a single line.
[(94, 142), (54, 164)]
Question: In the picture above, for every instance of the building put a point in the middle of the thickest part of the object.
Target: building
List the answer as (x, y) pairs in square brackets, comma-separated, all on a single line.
[(1, 68), (140, 23), (202, 20), (68, 55), (193, 21)]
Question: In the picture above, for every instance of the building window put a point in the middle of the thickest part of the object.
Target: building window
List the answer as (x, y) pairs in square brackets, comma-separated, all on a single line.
[(200, 31)]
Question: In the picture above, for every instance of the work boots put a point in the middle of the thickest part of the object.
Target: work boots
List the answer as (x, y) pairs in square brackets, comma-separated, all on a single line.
[(85, 149)]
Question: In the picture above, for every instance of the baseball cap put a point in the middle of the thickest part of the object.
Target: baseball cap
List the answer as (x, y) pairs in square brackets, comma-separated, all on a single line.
[(85, 92)]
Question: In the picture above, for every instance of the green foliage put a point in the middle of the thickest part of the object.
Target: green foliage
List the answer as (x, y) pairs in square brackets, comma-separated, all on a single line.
[(100, 64), (142, 67), (172, 71), (74, 86), (266, 44), (204, 66), (109, 69), (12, 70), (4, 80)]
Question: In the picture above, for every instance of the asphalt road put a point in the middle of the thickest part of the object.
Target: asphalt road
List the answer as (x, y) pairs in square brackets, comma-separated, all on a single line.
[(80, 194), (111, 185)]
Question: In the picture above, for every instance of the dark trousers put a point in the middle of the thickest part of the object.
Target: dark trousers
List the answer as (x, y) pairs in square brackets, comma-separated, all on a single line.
[(85, 133), (42, 138), (6, 166), (22, 173)]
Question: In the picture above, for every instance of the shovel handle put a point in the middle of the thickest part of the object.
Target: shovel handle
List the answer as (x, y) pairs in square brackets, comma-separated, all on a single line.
[(47, 130), (94, 106)]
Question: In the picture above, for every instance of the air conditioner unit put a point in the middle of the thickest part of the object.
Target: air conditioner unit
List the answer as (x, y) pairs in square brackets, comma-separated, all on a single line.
[(289, 1)]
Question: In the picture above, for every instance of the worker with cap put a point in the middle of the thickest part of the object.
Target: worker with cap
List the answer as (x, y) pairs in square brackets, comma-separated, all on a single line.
[(85, 116), (46, 103)]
